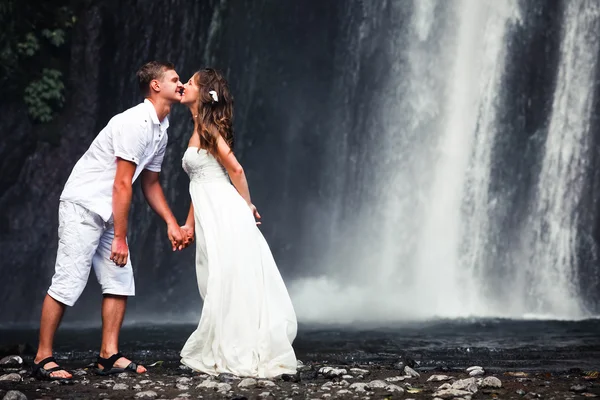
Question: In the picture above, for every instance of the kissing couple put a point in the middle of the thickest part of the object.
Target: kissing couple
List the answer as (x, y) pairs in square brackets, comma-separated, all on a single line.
[(248, 323)]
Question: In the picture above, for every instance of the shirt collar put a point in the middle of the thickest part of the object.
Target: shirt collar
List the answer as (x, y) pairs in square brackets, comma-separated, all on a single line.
[(165, 122)]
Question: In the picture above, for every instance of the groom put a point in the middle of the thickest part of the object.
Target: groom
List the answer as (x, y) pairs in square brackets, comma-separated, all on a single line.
[(93, 212)]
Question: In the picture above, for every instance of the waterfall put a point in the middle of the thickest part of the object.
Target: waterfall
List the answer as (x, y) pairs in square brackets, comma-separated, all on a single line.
[(550, 273), (431, 201)]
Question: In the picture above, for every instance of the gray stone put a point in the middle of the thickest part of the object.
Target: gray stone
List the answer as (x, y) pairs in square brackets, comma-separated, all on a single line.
[(451, 393), (396, 379), (14, 395), (394, 388), (11, 360), (263, 383), (79, 372), (247, 383), (359, 387), (445, 386), (183, 380), (265, 394), (360, 371), (574, 388), (476, 372), (120, 386), (332, 372), (347, 377), (223, 387), (474, 368), (145, 382), (148, 394), (181, 386), (123, 375), (411, 372), (344, 391), (491, 382), (465, 384), (377, 384), (11, 377), (208, 384), (438, 378)]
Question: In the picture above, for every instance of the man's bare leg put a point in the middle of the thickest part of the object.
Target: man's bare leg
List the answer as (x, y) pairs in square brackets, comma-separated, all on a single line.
[(52, 313), (113, 312)]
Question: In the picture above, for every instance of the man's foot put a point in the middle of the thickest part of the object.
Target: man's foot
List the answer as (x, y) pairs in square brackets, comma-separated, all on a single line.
[(48, 369), (117, 363)]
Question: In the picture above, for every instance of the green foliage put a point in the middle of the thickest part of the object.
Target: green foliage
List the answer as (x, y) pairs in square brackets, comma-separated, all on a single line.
[(44, 95), (34, 53)]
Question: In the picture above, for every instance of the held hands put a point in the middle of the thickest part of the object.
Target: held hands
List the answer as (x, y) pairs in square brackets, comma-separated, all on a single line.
[(177, 237), (188, 234), (255, 213), (119, 251)]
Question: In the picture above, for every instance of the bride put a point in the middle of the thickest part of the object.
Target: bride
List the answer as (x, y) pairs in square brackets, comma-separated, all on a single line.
[(248, 322)]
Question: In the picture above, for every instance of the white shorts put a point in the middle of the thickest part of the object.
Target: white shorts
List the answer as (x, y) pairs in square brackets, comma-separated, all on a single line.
[(84, 239)]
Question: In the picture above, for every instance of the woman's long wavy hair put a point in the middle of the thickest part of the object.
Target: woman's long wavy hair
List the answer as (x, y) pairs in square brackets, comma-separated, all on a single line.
[(214, 117)]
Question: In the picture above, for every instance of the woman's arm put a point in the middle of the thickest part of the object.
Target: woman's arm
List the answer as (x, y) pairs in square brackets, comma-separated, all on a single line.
[(236, 173)]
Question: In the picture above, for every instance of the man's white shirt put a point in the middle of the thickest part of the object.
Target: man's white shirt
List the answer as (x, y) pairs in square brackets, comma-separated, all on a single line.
[(135, 135)]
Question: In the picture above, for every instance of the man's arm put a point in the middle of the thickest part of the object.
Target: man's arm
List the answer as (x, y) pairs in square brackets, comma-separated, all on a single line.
[(156, 199), (121, 201)]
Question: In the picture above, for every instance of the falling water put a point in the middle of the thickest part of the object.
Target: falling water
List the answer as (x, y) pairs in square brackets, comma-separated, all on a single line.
[(437, 146), (550, 275)]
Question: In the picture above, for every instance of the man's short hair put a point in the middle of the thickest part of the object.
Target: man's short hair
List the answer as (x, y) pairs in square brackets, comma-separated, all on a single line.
[(151, 71)]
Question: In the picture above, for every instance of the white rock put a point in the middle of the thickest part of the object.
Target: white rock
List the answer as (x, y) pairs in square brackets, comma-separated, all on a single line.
[(11, 378), (360, 371), (79, 372), (377, 384), (247, 383), (14, 395), (395, 379), (145, 382), (137, 387), (359, 387), (491, 382), (332, 372), (326, 396), (465, 384), (183, 396), (148, 394), (344, 391), (438, 378), (411, 372), (445, 386), (265, 394), (263, 383), (123, 375), (208, 384), (347, 377), (474, 368), (394, 388), (120, 386), (476, 372), (327, 386), (344, 383), (181, 386), (11, 360), (451, 393), (223, 387), (184, 380)]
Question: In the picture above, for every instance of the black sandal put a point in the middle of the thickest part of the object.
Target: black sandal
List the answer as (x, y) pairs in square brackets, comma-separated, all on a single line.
[(108, 366), (40, 373)]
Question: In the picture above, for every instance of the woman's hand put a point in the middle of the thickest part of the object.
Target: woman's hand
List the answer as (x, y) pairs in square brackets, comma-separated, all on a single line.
[(255, 213), (188, 234)]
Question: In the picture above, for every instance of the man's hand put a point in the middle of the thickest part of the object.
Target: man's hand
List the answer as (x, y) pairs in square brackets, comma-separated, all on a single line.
[(175, 237), (119, 251), (255, 213), (188, 235)]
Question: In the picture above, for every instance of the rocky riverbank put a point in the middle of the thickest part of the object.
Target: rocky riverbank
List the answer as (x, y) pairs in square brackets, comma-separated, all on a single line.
[(405, 380)]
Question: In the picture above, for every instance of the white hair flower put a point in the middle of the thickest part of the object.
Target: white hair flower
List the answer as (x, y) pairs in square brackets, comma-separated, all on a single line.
[(214, 96)]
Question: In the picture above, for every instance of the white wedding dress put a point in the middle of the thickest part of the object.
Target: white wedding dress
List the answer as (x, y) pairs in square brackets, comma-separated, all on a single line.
[(248, 322)]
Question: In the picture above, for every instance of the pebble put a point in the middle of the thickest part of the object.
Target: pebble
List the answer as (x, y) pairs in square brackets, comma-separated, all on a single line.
[(247, 383), (574, 388), (14, 395), (11, 377), (148, 394), (411, 372), (120, 386), (438, 378), (491, 382)]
